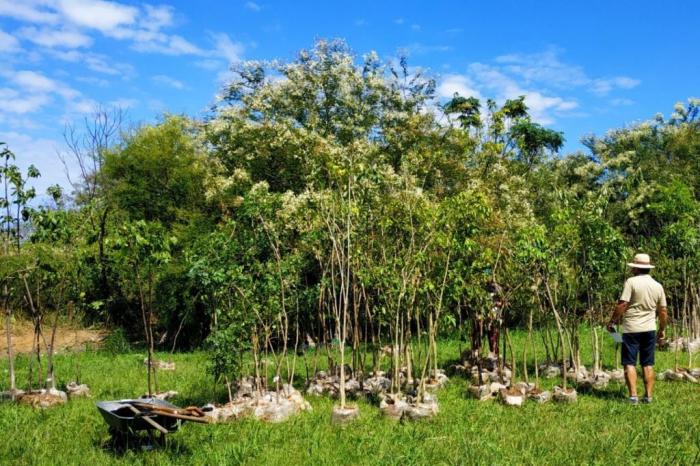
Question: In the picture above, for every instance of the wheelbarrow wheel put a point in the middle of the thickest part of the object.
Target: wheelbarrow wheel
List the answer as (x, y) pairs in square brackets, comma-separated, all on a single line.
[(117, 435)]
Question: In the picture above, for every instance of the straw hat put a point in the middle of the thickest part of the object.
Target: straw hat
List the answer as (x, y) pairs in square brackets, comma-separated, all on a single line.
[(641, 261)]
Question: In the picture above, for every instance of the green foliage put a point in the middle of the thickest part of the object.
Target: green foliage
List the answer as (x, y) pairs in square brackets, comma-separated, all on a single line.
[(467, 109), (116, 342), (157, 173), (17, 195), (239, 229), (226, 346), (533, 139)]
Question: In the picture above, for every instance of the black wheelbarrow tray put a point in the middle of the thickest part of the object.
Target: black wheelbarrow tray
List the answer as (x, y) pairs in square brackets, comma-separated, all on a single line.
[(130, 416)]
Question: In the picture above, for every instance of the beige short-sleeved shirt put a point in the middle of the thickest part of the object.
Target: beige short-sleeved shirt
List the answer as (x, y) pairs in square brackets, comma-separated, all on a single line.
[(644, 295)]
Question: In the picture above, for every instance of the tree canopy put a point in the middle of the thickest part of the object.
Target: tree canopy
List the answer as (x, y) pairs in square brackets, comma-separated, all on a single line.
[(340, 183)]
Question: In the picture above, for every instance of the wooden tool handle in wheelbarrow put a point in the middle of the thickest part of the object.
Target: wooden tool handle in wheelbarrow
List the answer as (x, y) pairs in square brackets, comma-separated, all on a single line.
[(189, 412), (148, 420), (184, 417), (195, 410), (186, 414)]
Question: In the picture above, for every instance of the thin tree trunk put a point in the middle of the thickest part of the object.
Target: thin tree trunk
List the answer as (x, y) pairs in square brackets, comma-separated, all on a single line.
[(50, 352), (145, 317), (10, 353), (512, 356), (527, 347)]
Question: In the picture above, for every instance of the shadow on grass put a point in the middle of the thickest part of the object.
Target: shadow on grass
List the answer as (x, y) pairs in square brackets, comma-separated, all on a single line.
[(120, 444), (617, 392)]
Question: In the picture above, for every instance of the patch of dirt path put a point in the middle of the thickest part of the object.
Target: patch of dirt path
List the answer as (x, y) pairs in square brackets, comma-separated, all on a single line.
[(67, 338)]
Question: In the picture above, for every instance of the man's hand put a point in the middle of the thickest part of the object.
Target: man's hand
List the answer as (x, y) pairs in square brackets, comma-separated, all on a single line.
[(617, 315), (661, 337)]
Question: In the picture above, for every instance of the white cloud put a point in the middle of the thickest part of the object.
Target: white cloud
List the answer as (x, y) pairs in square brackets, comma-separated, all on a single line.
[(209, 64), (418, 48), (546, 68), (64, 38), (158, 17), (17, 103), (252, 6), (141, 25), (225, 48), (98, 14), (81, 106), (34, 90), (168, 45), (95, 62), (33, 81), (621, 102), (92, 80), (604, 86), (102, 65), (28, 10), (541, 77), (123, 103), (454, 83), (486, 80), (8, 43), (168, 81), (543, 108)]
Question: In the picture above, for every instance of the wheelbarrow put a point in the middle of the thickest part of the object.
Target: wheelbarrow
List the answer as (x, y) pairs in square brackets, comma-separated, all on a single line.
[(128, 417)]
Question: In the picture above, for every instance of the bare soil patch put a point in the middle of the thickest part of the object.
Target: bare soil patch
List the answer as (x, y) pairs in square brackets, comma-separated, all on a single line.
[(68, 338)]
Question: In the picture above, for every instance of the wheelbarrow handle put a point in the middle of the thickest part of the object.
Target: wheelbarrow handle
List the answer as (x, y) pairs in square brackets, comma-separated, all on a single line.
[(148, 420), (184, 417)]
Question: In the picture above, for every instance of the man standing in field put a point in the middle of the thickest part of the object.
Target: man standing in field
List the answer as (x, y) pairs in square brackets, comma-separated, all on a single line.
[(642, 299)]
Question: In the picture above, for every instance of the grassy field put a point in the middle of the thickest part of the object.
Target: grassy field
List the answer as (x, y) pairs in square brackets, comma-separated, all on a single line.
[(600, 429)]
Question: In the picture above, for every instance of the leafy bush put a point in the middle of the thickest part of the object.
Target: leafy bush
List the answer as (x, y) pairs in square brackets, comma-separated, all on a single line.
[(116, 342)]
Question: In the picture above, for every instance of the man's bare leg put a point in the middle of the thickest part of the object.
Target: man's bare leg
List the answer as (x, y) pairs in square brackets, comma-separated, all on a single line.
[(631, 379), (648, 380)]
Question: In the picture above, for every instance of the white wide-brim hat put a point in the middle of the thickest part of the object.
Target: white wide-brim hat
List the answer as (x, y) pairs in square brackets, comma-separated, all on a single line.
[(641, 261)]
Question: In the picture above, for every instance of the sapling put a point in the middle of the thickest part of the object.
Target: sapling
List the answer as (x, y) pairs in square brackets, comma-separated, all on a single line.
[(562, 337), (512, 396), (535, 393), (141, 249), (10, 354), (340, 275), (36, 318), (512, 356), (528, 343), (15, 192), (51, 347)]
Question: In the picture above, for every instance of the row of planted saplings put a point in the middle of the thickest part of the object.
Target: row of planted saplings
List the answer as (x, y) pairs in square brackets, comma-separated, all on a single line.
[(41, 389), (405, 393), (493, 378), (407, 389)]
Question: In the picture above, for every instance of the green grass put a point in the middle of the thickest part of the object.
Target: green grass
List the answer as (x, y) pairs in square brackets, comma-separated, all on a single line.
[(599, 429)]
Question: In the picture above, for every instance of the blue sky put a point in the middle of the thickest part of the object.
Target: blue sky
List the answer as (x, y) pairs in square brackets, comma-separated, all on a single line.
[(584, 66)]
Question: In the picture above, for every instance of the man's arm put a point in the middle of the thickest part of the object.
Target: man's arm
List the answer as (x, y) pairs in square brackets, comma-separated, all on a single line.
[(662, 313), (617, 314)]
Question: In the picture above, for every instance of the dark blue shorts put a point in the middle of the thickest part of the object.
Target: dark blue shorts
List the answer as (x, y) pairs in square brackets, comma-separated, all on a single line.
[(642, 343)]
